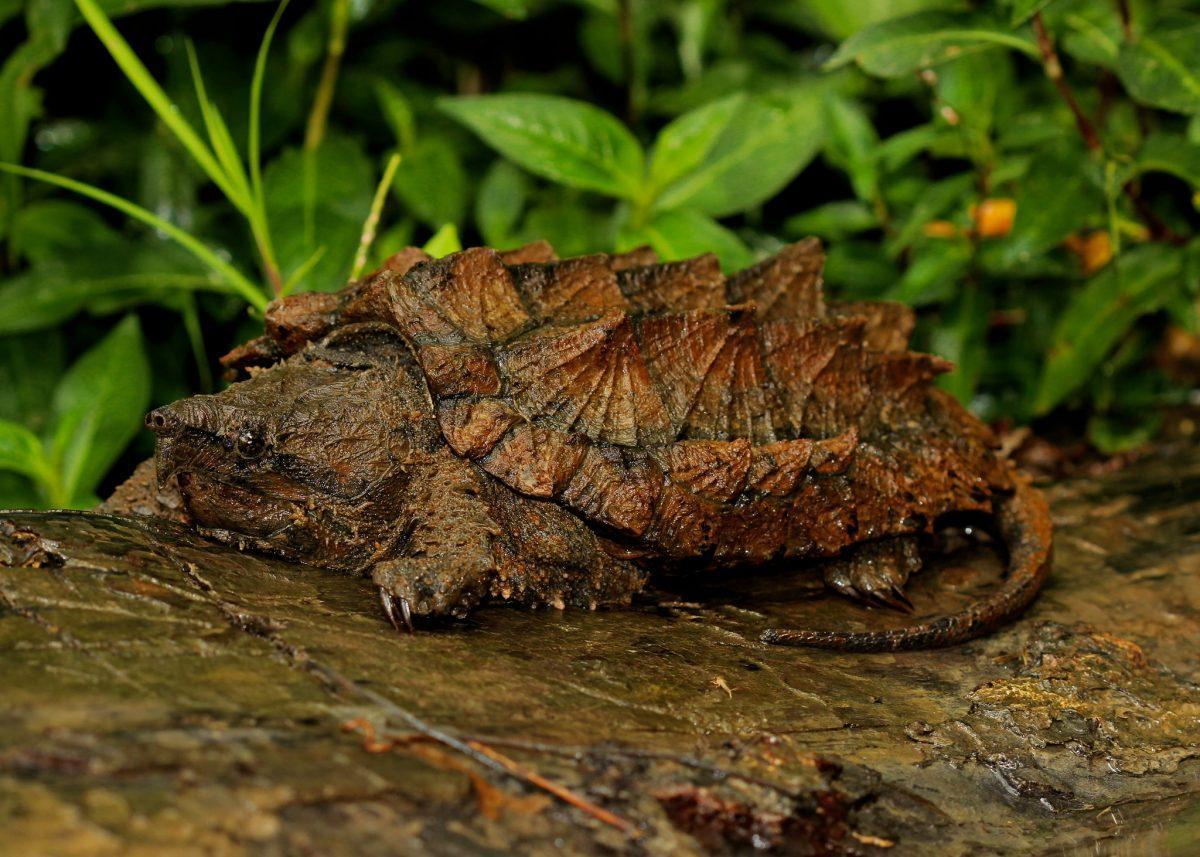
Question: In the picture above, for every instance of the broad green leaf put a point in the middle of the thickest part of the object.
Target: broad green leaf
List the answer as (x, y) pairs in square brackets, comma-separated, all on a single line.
[(770, 139), (832, 221), (935, 273), (851, 144), (971, 86), (1168, 153), (933, 201), (30, 364), (444, 242), (319, 199), (1053, 200), (44, 231), (1023, 10), (98, 408), (517, 9), (858, 269), (52, 292), (960, 339), (838, 19), (572, 227), (21, 451), (898, 149), (900, 46), (500, 203), (399, 115), (685, 233), (1093, 34), (432, 183), (566, 141), (685, 143), (1162, 68), (1100, 313)]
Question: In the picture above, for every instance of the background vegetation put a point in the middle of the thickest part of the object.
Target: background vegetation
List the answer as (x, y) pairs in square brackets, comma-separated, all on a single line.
[(1025, 173)]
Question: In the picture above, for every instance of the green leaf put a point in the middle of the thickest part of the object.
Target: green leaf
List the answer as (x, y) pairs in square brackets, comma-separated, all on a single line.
[(21, 451), (838, 19), (900, 46), (1099, 314), (832, 221), (444, 242), (566, 141), (500, 203), (685, 233), (1161, 68), (98, 408), (933, 201), (44, 231), (858, 269), (1053, 200), (771, 138), (1093, 34), (685, 143), (1173, 154), (961, 339), (851, 144), (432, 183), (319, 198), (934, 274), (898, 149), (30, 365), (52, 293), (399, 115), (1023, 10)]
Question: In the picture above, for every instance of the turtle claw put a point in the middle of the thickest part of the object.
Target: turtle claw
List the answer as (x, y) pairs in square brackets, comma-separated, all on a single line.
[(390, 608)]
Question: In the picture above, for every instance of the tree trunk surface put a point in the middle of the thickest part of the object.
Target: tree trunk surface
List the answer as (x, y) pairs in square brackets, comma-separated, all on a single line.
[(163, 695)]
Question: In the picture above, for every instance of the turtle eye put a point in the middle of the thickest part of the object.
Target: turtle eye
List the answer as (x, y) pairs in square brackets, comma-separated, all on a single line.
[(249, 444)]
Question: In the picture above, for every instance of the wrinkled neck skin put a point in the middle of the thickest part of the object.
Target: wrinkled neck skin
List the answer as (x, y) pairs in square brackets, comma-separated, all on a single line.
[(310, 460)]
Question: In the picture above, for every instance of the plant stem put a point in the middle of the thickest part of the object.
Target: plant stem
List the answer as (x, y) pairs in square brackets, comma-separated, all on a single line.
[(314, 132), (1126, 19), (372, 222), (1053, 69)]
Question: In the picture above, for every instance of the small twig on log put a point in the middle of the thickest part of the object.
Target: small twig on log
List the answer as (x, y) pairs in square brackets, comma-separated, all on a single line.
[(477, 751), (561, 792), (715, 771)]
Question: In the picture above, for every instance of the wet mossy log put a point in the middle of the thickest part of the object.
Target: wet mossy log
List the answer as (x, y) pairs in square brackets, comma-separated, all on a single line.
[(162, 695)]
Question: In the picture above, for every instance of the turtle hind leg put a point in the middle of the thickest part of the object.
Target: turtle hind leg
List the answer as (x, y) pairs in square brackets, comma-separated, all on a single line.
[(874, 573)]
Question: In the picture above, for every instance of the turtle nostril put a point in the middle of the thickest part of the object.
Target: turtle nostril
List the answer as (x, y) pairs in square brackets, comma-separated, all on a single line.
[(158, 420)]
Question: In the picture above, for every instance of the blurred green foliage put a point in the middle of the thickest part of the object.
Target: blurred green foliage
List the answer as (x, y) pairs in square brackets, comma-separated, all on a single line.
[(1025, 173)]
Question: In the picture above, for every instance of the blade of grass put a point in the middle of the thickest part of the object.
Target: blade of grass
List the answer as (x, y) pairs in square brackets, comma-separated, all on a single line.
[(339, 22), (145, 83), (371, 224), (191, 324), (219, 137), (238, 282), (298, 274), (262, 232)]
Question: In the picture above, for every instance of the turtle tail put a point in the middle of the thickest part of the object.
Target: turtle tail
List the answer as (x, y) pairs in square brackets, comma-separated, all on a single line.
[(1023, 520)]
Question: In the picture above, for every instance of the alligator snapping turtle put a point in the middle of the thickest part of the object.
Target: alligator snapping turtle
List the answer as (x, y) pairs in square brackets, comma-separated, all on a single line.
[(510, 427)]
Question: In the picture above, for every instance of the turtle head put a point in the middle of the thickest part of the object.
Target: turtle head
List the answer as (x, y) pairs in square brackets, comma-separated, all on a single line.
[(310, 459)]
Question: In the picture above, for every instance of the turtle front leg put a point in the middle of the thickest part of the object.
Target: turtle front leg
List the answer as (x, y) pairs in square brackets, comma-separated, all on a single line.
[(450, 584), (874, 573), (469, 540)]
